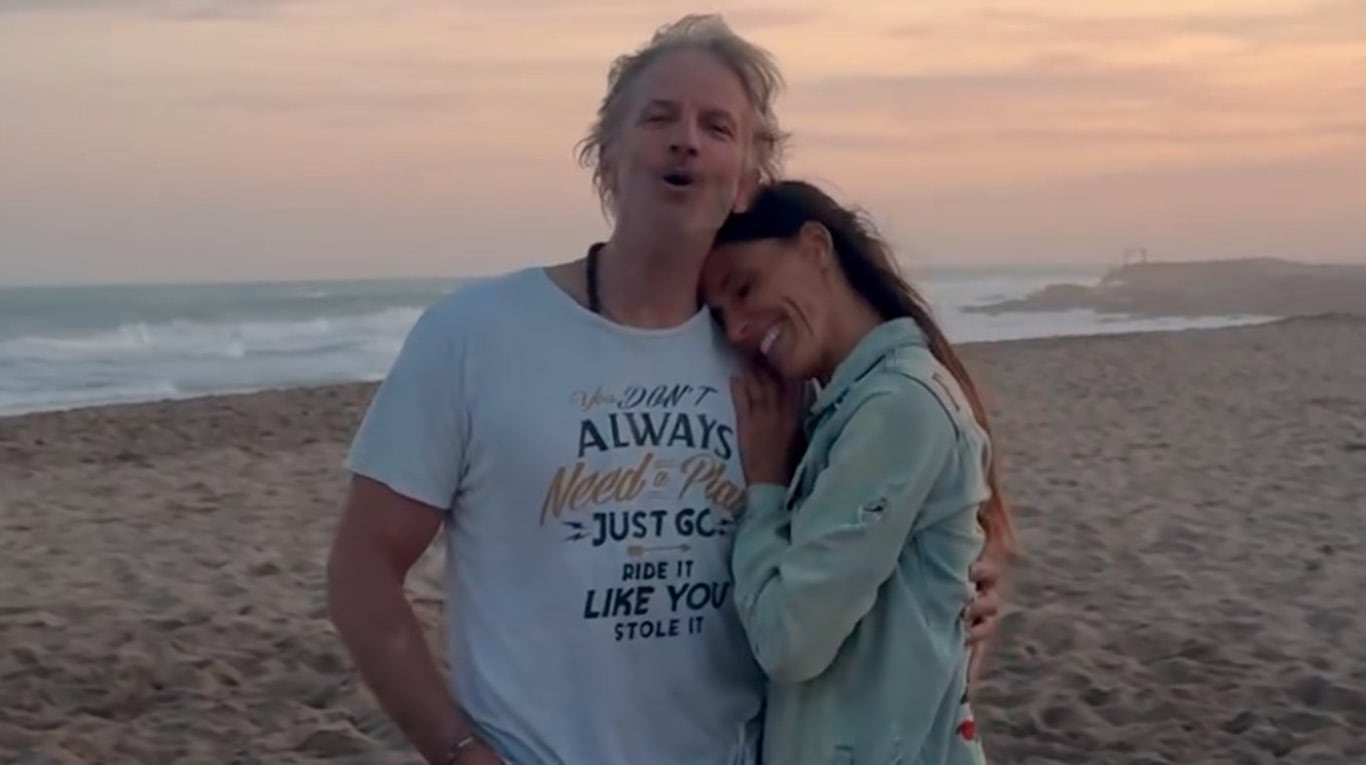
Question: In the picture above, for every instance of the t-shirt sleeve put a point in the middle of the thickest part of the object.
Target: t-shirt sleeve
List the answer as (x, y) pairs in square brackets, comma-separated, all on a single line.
[(414, 434)]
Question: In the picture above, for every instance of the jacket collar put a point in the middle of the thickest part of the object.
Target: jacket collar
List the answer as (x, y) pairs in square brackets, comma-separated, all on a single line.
[(871, 349)]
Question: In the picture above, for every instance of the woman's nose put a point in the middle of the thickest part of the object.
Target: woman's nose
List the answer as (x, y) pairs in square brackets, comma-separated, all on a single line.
[(739, 331)]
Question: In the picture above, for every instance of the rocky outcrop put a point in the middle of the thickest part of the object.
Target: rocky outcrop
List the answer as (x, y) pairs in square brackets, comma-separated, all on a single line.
[(1260, 287)]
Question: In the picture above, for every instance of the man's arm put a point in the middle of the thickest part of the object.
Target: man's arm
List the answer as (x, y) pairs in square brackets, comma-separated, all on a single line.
[(407, 457), (381, 535)]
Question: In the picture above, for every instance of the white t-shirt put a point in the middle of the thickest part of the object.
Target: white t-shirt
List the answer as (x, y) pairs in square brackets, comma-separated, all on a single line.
[(589, 471)]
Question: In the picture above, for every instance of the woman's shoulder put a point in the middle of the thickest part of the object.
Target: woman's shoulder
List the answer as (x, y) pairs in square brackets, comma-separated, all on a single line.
[(912, 383)]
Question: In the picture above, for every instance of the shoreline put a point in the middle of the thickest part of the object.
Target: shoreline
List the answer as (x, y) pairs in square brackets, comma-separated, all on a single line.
[(343, 387)]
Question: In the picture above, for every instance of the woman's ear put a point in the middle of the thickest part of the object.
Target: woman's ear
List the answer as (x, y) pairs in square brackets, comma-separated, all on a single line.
[(816, 243)]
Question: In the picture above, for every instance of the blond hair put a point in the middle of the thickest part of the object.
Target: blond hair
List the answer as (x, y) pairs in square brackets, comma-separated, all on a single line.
[(755, 67)]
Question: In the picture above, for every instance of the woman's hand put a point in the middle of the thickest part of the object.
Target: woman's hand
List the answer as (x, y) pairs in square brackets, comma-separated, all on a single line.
[(768, 412)]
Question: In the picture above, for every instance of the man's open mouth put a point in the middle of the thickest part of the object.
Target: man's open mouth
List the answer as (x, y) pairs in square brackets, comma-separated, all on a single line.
[(679, 179)]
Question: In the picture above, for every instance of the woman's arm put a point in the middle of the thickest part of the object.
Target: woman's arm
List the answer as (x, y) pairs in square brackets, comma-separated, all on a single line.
[(803, 579)]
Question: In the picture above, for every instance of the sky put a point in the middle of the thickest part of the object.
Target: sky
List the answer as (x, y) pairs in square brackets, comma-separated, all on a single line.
[(212, 140)]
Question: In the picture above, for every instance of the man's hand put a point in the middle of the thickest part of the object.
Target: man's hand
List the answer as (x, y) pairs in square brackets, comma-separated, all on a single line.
[(984, 610), (982, 614), (381, 535)]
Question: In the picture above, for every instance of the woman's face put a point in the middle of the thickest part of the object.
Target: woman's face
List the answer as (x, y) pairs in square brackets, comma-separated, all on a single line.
[(772, 297)]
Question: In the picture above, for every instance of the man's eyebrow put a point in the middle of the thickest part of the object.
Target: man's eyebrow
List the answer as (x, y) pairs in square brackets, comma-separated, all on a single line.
[(719, 111), (712, 112)]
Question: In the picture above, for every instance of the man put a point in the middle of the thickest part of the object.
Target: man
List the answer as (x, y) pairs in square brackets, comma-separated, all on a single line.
[(571, 428)]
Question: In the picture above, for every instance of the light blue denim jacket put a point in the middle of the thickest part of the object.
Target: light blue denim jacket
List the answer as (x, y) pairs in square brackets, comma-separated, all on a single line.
[(851, 580)]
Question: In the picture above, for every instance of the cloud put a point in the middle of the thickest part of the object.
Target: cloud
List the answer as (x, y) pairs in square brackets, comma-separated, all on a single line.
[(743, 18), (1330, 21), (500, 66), (236, 10), (60, 6), (1354, 129), (751, 19), (1247, 206), (385, 87), (187, 10), (1066, 99), (649, 14), (1064, 136), (1055, 116), (378, 104), (1044, 80)]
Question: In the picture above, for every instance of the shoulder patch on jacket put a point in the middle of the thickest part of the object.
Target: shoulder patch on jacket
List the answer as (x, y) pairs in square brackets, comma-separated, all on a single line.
[(951, 391)]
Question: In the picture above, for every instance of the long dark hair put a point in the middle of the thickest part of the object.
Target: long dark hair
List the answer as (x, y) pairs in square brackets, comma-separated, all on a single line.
[(779, 210)]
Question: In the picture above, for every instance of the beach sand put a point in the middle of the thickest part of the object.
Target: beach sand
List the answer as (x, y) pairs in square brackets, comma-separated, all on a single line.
[(1192, 509)]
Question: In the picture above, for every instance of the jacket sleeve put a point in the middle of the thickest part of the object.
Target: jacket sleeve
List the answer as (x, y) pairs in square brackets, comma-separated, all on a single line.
[(805, 577)]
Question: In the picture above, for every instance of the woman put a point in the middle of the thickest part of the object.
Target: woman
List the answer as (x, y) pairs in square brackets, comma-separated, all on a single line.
[(851, 557)]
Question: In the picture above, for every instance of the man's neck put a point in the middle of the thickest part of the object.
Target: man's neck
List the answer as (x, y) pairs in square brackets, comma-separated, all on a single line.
[(649, 283)]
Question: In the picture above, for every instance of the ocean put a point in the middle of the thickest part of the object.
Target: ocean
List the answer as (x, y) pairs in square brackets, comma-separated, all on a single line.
[(64, 347)]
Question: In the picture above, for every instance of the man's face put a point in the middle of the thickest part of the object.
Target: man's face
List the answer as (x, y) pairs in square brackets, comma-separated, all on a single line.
[(680, 158)]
